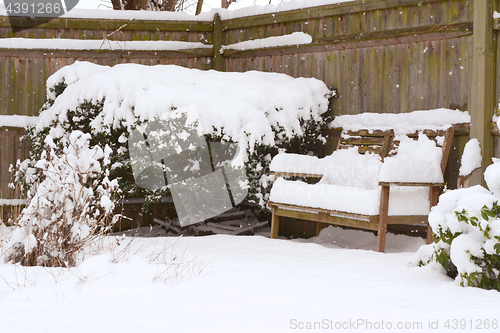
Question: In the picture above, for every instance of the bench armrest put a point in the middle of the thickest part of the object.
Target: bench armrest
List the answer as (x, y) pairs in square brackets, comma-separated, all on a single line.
[(295, 174), (411, 184)]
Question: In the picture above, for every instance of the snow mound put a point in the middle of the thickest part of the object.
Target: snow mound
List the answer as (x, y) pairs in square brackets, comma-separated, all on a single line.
[(492, 177), (347, 167), (471, 157), (295, 163), (416, 161), (402, 123), (245, 106)]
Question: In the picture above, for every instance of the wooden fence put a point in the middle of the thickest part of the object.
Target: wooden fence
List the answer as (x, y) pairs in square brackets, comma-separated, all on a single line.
[(385, 56)]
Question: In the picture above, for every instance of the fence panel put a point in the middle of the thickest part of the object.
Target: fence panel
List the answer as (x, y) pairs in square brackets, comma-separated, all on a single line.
[(386, 56), (24, 71), (383, 56), (11, 150)]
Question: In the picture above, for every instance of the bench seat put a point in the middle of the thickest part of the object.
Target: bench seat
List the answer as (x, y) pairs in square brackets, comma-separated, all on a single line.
[(349, 199)]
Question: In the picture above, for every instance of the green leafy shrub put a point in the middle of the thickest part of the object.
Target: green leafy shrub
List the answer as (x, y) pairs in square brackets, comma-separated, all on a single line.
[(466, 224), (488, 262), (89, 115)]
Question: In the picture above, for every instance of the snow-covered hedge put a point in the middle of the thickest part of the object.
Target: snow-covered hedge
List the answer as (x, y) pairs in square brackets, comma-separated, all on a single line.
[(260, 112), (466, 223)]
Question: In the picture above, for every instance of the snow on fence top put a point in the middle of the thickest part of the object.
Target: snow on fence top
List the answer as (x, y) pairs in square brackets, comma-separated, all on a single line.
[(17, 121), (402, 123), (183, 16), (129, 14), (280, 7), (78, 44), (245, 106), (296, 38)]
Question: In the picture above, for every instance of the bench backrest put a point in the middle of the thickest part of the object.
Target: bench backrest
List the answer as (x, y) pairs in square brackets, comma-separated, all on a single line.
[(384, 142), (377, 141), (443, 139)]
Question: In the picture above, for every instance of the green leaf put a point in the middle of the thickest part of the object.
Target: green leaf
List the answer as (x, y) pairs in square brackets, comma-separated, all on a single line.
[(497, 248)]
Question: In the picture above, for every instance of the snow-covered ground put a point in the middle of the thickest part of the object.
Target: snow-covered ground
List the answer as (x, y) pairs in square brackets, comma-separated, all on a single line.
[(243, 284)]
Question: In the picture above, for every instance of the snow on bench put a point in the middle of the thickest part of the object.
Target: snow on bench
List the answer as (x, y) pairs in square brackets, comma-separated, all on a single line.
[(403, 155)]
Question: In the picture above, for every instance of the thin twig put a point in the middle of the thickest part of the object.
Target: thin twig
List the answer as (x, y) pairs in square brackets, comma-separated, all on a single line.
[(109, 35)]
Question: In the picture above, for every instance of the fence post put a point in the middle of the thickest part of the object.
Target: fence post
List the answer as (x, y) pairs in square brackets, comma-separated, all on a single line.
[(218, 61), (482, 90)]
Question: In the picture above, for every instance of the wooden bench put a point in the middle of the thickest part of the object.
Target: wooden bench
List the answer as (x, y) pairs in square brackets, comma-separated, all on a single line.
[(385, 144)]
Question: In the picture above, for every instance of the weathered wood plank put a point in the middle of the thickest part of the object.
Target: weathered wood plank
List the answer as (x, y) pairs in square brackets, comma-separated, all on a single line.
[(295, 174), (359, 6), (312, 210), (4, 81), (363, 141), (326, 217), (374, 39), (482, 98), (410, 184), (4, 162), (11, 91), (382, 222), (407, 219), (107, 24)]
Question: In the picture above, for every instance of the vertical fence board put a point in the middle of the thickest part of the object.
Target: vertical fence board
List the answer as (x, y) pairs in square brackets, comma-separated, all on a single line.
[(4, 160), (4, 80)]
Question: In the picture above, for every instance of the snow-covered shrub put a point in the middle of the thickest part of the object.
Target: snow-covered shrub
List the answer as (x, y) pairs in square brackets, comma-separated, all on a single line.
[(471, 157), (260, 158), (260, 112), (466, 224), (71, 205)]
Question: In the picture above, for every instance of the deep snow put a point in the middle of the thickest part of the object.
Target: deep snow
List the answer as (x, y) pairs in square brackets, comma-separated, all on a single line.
[(240, 284)]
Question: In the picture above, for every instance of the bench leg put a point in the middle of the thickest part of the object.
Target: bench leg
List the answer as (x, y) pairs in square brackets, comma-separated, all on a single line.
[(275, 225), (430, 234), (382, 219)]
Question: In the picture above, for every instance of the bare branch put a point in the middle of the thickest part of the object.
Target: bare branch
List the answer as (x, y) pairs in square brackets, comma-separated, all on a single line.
[(198, 7), (117, 5)]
